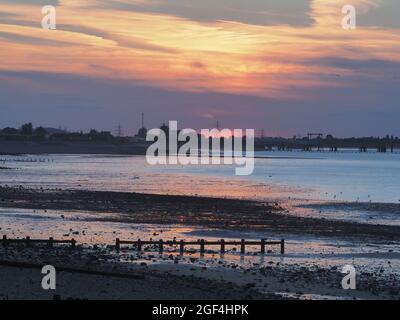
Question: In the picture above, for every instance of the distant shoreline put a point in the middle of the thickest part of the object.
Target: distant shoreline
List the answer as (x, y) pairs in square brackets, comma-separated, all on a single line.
[(18, 148), (50, 147)]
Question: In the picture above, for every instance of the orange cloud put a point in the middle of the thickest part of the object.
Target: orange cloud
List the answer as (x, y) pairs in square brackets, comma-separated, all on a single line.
[(180, 54)]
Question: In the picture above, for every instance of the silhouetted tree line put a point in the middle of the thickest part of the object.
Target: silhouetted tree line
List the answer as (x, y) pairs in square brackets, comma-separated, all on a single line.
[(93, 135), (28, 132), (26, 129)]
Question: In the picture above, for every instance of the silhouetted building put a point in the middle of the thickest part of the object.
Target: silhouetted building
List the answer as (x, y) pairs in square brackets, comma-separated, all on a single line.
[(165, 128), (142, 133)]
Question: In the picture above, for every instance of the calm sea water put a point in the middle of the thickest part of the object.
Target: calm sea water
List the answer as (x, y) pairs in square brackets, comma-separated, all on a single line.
[(348, 176)]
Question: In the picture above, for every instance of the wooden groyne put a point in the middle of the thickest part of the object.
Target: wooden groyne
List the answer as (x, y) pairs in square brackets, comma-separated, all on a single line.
[(160, 244), (202, 244), (28, 241)]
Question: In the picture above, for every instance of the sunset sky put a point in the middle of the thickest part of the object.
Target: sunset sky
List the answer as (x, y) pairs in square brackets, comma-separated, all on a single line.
[(285, 66)]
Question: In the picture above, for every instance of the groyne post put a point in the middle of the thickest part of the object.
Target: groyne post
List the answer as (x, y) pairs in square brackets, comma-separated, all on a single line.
[(262, 245), (4, 240), (202, 246), (242, 246)]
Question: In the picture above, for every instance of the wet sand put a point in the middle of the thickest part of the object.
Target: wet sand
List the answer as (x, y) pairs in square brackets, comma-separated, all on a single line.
[(393, 208), (202, 211), (138, 278), (121, 281), (133, 275)]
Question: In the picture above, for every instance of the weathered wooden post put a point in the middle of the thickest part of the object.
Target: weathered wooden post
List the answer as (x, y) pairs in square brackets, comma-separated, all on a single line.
[(50, 241), (202, 246), (181, 247), (263, 246), (160, 246), (283, 246), (139, 245), (222, 246), (242, 246), (117, 244)]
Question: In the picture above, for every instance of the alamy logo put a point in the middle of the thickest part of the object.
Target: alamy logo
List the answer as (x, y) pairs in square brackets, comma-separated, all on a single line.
[(201, 149), (49, 20), (349, 280), (349, 20), (49, 280)]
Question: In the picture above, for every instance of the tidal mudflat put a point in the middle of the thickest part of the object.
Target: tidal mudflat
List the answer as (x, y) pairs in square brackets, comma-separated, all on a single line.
[(316, 249)]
